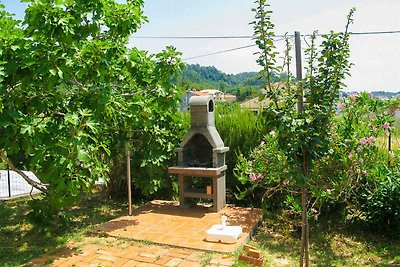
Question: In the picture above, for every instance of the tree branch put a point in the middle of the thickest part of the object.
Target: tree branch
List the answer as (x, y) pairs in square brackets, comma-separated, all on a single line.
[(39, 186)]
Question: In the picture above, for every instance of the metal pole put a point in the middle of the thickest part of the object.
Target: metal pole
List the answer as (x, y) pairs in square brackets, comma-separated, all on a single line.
[(304, 255), (299, 74), (128, 177), (389, 144), (9, 183)]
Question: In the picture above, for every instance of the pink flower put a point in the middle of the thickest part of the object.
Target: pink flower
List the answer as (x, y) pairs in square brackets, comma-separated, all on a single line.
[(363, 141), (361, 161), (287, 182), (359, 148), (364, 172), (341, 105), (371, 140), (391, 154), (386, 125), (350, 155), (254, 176), (262, 143), (272, 133), (354, 96), (374, 128)]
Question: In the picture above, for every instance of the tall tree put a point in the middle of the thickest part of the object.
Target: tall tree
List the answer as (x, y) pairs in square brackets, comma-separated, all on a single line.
[(71, 92), (302, 136)]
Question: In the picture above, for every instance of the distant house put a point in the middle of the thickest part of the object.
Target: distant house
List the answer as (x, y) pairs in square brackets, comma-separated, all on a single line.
[(230, 98), (218, 97), (254, 104), (185, 99)]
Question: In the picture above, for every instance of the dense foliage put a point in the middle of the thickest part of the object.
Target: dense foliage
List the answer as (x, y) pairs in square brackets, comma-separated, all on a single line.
[(358, 178), (72, 94), (241, 131)]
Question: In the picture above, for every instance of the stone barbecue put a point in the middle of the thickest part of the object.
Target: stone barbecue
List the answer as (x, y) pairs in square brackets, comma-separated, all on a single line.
[(202, 155)]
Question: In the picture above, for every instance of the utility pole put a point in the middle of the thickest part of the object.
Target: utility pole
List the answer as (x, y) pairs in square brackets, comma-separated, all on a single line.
[(304, 255), (128, 177), (299, 69)]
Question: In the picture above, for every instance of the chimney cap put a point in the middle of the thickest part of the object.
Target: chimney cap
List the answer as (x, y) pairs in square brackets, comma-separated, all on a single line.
[(200, 100)]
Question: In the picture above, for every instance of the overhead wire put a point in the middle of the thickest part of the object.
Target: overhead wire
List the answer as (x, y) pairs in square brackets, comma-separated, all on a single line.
[(227, 50), (281, 36), (252, 37)]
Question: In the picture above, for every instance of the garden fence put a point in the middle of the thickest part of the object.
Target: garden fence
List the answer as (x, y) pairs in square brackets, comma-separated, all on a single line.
[(13, 185)]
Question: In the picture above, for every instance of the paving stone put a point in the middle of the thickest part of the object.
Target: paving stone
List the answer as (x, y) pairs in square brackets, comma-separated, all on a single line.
[(104, 252), (177, 255), (147, 265), (144, 259), (186, 263), (70, 261), (109, 258), (85, 264), (90, 257), (174, 262), (194, 256), (120, 262), (181, 251), (148, 255), (131, 263), (163, 260)]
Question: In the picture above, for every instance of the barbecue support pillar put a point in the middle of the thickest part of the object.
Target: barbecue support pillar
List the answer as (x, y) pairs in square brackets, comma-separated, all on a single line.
[(185, 178)]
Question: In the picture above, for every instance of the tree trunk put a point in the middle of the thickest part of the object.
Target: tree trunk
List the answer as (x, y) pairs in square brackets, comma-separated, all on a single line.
[(305, 253)]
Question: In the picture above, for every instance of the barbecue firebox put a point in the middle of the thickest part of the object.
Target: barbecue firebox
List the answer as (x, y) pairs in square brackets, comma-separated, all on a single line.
[(201, 154)]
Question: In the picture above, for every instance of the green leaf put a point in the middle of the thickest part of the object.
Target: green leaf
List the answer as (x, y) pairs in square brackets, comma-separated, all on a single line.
[(83, 156), (26, 129), (60, 73)]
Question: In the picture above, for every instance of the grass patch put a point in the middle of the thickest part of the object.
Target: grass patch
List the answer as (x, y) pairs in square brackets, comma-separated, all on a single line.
[(332, 243), (21, 241)]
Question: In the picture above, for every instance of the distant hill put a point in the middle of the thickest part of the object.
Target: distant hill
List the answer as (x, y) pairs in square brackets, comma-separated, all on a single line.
[(383, 94), (244, 85)]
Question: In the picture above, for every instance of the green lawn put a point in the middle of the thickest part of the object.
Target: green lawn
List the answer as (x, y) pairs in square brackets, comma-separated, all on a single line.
[(332, 243)]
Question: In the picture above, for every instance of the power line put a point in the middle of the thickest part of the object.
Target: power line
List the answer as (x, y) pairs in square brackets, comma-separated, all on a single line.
[(220, 52), (228, 50), (251, 36), (196, 37)]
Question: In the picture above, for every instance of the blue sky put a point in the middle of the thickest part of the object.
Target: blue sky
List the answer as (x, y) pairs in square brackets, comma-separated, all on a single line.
[(376, 57)]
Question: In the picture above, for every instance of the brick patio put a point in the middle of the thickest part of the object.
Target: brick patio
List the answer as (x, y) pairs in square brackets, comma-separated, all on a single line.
[(159, 233), (164, 222)]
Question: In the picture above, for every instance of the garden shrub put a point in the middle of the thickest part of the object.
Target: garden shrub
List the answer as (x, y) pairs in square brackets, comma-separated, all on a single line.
[(241, 130), (357, 178), (379, 199)]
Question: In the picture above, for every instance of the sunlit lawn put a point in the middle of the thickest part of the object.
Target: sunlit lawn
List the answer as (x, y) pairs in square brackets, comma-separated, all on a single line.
[(332, 243)]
